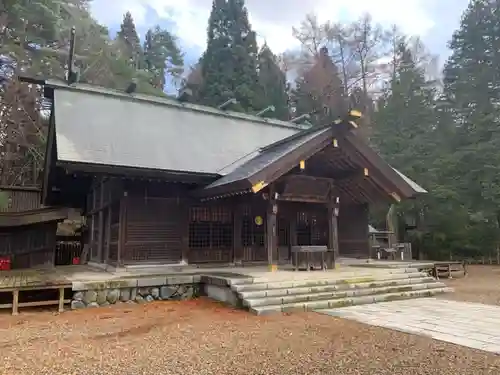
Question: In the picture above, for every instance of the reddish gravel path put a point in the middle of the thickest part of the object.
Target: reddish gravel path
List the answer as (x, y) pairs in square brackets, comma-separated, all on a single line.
[(202, 337)]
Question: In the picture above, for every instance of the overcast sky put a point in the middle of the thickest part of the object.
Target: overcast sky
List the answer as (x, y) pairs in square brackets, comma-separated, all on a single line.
[(433, 20)]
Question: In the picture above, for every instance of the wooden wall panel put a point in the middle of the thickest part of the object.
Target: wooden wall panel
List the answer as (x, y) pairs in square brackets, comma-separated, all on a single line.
[(153, 230), (29, 246), (353, 231), (19, 199)]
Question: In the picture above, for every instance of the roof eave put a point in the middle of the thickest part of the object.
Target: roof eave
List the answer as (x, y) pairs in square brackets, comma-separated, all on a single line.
[(234, 187), (137, 172)]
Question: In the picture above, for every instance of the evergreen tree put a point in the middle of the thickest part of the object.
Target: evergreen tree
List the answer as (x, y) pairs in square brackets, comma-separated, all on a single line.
[(404, 134), (130, 43), (319, 91), (471, 77), (229, 64), (273, 83), (162, 56), (405, 119)]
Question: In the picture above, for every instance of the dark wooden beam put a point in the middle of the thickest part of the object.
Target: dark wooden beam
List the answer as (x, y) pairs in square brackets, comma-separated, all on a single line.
[(237, 228), (122, 229), (107, 239), (271, 230), (138, 173), (100, 250), (185, 218), (303, 198), (333, 235)]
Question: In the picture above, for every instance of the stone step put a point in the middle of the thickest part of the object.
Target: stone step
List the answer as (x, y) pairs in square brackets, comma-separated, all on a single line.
[(344, 302), (255, 294), (321, 275), (357, 292), (297, 283)]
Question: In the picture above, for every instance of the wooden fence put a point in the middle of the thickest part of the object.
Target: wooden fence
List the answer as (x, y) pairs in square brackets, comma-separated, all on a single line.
[(482, 260)]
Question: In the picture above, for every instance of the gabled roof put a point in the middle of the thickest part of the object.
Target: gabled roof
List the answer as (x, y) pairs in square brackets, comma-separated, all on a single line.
[(268, 164), (250, 168)]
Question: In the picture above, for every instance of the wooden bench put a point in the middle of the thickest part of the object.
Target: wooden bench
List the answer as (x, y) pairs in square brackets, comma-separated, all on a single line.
[(449, 269)]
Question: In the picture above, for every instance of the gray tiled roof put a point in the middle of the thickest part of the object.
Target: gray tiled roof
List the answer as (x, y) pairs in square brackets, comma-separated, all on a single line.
[(99, 128), (260, 159)]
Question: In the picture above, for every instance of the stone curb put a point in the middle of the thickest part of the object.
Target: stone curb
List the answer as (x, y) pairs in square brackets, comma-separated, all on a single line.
[(344, 302)]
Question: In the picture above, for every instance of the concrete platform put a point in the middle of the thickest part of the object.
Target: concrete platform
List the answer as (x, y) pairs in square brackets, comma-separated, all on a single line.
[(254, 288)]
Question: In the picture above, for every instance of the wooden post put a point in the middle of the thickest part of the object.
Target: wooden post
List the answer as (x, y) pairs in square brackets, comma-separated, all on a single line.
[(107, 239), (271, 233), (237, 227), (15, 302), (185, 218), (121, 230), (61, 300), (333, 240), (100, 249), (293, 232)]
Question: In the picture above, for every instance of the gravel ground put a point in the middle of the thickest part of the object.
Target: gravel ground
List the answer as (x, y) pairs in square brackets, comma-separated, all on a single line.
[(203, 337), (482, 285)]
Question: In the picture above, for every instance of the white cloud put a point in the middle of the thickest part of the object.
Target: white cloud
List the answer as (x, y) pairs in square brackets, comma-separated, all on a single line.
[(271, 19), (110, 12)]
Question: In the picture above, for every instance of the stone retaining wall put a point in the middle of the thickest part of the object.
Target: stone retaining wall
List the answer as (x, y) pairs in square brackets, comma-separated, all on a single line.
[(97, 294)]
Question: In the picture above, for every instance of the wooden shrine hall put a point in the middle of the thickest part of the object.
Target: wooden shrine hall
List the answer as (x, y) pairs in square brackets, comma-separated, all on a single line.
[(165, 182)]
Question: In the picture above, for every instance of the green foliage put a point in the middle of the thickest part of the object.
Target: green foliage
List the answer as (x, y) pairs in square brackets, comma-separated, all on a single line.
[(273, 85), (449, 142), (129, 42), (472, 93), (229, 64), (162, 56), (406, 133), (35, 20)]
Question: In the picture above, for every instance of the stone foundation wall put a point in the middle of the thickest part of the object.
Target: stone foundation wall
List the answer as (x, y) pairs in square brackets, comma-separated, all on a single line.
[(98, 294)]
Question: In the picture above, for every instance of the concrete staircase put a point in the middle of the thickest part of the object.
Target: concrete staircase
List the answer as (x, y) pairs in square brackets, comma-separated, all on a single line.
[(262, 296)]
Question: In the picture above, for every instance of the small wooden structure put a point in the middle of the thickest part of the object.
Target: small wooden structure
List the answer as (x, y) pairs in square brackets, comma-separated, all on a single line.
[(167, 182), (28, 230), (449, 269), (382, 248), (309, 257)]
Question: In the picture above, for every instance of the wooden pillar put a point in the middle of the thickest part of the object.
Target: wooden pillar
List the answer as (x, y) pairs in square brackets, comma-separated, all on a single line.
[(15, 302), (100, 249), (293, 230), (107, 239), (185, 219), (271, 232), (122, 229), (333, 235), (237, 228)]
